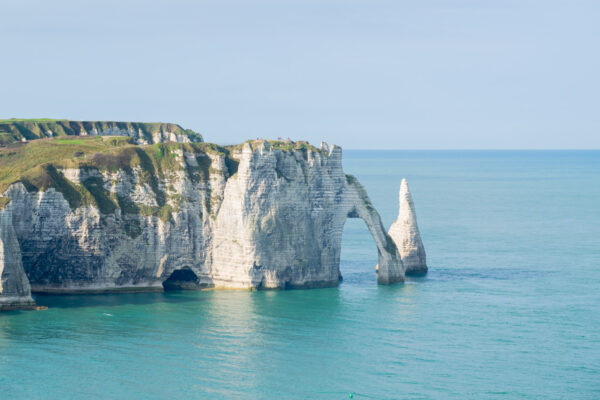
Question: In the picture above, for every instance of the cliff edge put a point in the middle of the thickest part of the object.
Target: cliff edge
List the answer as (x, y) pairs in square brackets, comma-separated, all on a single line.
[(97, 214), (20, 130)]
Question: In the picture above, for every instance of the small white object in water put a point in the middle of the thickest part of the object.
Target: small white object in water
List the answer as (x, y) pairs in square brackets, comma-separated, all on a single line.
[(107, 314)]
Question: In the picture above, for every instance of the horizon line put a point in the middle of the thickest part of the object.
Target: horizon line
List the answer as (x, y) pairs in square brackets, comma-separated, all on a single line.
[(476, 149)]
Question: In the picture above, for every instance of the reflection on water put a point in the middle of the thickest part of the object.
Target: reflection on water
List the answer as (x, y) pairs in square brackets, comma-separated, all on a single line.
[(226, 342)]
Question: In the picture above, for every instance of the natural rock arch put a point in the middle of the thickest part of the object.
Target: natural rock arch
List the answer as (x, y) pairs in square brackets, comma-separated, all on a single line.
[(390, 268), (400, 250), (275, 221)]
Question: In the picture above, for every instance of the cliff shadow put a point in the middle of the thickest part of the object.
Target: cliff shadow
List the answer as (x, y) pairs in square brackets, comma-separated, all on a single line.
[(186, 279), (108, 300)]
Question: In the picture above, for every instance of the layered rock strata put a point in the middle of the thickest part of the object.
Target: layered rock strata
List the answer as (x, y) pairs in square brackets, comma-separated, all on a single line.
[(12, 130), (15, 292), (256, 216), (405, 233)]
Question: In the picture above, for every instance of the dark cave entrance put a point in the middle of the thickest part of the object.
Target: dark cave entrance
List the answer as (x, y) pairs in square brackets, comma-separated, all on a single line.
[(182, 279)]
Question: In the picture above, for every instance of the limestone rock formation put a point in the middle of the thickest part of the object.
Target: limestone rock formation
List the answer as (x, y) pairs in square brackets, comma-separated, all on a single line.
[(15, 292), (405, 233), (258, 215)]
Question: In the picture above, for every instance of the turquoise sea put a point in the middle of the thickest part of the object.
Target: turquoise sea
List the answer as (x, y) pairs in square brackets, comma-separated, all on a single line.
[(509, 310)]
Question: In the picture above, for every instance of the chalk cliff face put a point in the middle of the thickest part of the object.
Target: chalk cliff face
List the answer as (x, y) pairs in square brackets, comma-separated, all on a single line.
[(14, 286), (254, 216), (12, 130), (405, 233)]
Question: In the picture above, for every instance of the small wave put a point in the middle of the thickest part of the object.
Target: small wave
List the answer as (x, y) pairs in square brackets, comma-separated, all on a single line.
[(502, 273)]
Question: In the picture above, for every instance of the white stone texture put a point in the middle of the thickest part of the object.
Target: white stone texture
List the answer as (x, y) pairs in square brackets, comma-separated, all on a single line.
[(405, 233), (15, 291), (275, 223)]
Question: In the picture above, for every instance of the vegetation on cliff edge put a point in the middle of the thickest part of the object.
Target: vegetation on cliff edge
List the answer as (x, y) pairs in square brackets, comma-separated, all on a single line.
[(38, 164), (16, 130)]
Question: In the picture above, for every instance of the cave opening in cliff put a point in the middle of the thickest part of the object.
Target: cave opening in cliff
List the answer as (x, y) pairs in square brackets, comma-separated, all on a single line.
[(182, 279), (359, 253)]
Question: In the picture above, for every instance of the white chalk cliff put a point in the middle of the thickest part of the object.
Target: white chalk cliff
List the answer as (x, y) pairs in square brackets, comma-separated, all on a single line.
[(254, 217), (405, 233), (15, 292)]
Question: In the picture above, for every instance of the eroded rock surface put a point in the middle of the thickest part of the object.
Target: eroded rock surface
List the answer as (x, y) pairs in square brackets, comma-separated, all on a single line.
[(405, 233), (15, 292), (257, 217), (140, 132)]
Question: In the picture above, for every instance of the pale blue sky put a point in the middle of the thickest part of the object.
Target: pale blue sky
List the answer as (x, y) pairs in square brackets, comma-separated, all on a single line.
[(362, 74)]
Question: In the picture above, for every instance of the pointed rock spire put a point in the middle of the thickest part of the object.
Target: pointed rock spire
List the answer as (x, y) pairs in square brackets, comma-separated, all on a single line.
[(405, 233)]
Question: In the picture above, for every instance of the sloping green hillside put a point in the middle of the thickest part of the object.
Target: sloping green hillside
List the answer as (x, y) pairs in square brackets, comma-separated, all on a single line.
[(15, 130), (37, 164)]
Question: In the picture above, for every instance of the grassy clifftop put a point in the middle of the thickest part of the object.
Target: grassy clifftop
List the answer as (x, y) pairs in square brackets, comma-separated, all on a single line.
[(38, 164), (30, 162), (15, 130), (284, 145)]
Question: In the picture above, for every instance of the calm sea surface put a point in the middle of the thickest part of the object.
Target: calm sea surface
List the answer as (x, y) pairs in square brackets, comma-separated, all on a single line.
[(510, 308)]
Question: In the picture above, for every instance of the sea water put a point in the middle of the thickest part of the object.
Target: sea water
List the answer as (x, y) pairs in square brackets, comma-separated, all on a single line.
[(509, 309)]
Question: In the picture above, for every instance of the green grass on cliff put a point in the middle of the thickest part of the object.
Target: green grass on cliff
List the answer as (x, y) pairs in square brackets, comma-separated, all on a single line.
[(69, 141), (284, 145), (4, 200), (38, 164), (16, 129)]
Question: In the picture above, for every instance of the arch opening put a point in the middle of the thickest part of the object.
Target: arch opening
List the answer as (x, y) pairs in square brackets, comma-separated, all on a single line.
[(182, 279), (359, 252)]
